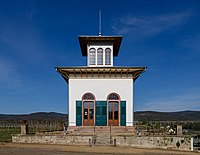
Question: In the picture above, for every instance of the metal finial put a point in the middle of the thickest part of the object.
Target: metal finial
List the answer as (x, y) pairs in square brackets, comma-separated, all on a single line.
[(99, 22)]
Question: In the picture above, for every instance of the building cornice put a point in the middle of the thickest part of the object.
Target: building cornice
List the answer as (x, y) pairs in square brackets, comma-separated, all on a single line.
[(100, 72)]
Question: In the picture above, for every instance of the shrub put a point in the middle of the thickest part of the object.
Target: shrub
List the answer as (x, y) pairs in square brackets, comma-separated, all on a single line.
[(178, 144)]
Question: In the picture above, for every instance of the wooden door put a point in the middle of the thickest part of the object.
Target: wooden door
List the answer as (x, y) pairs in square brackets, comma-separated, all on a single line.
[(113, 113), (88, 113)]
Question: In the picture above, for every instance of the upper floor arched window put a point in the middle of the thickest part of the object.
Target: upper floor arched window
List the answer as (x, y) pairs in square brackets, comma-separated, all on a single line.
[(100, 56), (108, 56), (92, 56)]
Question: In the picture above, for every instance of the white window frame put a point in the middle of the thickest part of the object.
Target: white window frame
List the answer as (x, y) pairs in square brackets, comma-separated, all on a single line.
[(109, 56), (101, 60), (90, 50), (96, 47)]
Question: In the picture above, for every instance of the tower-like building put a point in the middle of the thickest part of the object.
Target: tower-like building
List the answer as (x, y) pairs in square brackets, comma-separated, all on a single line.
[(100, 94)]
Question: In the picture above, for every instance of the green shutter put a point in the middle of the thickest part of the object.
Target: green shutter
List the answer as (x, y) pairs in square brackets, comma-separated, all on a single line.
[(101, 113), (98, 114), (123, 113), (78, 113)]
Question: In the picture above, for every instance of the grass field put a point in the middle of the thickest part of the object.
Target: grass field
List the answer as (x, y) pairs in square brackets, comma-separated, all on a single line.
[(7, 132)]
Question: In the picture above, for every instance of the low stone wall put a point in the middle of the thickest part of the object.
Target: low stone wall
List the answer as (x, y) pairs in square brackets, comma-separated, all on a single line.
[(169, 142), (51, 139), (155, 142)]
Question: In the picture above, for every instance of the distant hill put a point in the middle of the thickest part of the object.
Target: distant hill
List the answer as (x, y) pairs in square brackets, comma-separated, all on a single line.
[(167, 116), (34, 116), (138, 116)]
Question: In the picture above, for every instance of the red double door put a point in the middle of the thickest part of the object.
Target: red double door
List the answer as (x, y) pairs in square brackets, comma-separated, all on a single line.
[(113, 113)]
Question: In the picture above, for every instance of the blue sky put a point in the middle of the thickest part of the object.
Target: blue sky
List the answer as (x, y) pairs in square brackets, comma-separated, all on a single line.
[(37, 35)]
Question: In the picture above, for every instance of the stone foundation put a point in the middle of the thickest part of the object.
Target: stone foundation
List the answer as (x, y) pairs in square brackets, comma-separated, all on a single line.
[(167, 142), (154, 142), (51, 139)]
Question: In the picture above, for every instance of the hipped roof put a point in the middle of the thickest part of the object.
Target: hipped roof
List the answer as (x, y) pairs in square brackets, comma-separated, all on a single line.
[(114, 40)]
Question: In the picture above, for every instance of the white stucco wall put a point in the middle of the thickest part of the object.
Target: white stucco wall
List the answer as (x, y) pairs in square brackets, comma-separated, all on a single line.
[(101, 88)]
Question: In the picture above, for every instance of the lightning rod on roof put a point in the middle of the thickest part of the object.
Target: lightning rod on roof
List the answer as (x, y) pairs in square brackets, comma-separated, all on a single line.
[(99, 22)]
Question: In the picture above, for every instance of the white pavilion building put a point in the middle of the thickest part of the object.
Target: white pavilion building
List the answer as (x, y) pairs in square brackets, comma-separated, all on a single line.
[(100, 94)]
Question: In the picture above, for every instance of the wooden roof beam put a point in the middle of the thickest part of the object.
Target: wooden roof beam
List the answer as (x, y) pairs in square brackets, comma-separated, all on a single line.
[(86, 73), (74, 73), (64, 74), (92, 73), (127, 73), (98, 73), (81, 73), (121, 73)]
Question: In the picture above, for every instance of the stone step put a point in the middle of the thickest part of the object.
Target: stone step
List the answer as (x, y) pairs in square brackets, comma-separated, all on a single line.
[(102, 140), (100, 129)]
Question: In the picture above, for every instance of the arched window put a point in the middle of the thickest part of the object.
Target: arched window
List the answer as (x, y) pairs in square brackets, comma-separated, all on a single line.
[(92, 56), (88, 101), (88, 96), (113, 96), (113, 101), (108, 56), (100, 56)]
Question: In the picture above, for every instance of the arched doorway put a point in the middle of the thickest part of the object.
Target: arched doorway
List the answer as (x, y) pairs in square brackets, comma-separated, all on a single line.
[(113, 101), (88, 101)]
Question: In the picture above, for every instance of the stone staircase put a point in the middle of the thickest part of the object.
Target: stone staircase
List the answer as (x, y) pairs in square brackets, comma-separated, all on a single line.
[(102, 140), (101, 130)]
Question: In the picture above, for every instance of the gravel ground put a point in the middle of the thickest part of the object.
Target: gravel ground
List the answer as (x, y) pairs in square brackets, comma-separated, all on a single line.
[(45, 149)]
